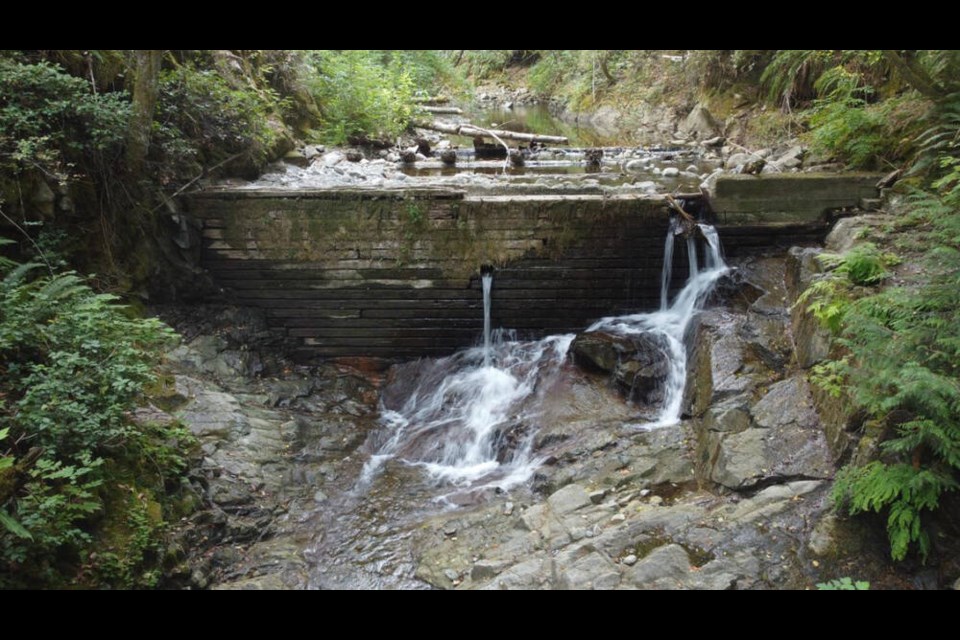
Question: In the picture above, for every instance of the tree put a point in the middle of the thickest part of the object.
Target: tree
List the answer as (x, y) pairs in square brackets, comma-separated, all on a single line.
[(146, 87)]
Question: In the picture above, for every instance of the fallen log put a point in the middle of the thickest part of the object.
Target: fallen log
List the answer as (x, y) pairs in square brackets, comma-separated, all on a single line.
[(453, 111), (471, 131), (432, 100)]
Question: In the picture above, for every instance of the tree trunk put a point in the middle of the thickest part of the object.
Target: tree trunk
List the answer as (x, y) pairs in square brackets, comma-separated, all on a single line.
[(146, 87), (915, 76), (471, 131)]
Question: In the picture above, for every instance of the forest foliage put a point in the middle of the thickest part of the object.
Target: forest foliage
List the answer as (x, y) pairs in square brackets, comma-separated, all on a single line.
[(74, 364)]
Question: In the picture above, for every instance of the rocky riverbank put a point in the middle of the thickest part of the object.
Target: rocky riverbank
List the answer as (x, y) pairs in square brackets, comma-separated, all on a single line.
[(734, 497)]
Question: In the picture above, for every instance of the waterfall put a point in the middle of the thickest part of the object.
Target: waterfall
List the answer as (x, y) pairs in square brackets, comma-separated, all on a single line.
[(486, 279), (667, 272), (469, 419), (468, 423), (672, 322)]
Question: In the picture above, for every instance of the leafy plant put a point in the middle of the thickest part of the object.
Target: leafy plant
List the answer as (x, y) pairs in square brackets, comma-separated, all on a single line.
[(52, 121), (903, 368), (72, 366), (361, 93), (843, 584)]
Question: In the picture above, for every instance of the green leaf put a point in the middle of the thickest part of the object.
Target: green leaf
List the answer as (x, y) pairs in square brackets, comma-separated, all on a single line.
[(14, 527)]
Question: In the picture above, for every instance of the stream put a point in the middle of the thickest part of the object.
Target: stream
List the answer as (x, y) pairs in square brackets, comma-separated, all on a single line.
[(677, 447)]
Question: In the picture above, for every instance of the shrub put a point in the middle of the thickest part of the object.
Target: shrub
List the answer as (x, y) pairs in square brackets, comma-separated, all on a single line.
[(72, 366), (54, 122)]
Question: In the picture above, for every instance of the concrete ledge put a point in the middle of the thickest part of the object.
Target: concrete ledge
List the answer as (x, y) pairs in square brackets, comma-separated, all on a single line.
[(791, 197)]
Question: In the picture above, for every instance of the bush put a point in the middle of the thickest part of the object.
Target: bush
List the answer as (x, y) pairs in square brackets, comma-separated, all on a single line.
[(361, 94), (902, 349), (52, 121), (201, 120), (72, 367)]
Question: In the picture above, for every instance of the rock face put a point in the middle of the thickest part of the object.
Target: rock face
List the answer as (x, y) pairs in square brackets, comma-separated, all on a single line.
[(735, 497)]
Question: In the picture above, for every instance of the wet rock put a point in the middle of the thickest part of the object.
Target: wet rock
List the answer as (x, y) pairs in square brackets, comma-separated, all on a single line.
[(229, 494), (448, 157), (636, 165), (591, 571), (599, 351), (785, 443), (737, 160), (596, 497), (754, 167), (770, 501), (729, 417), (333, 158), (786, 403), (848, 232), (822, 537), (486, 569), (665, 567), (639, 364), (213, 414), (569, 499)]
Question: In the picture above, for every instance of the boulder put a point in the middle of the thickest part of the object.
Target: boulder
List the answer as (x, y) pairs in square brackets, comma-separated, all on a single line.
[(785, 441), (700, 124), (639, 363)]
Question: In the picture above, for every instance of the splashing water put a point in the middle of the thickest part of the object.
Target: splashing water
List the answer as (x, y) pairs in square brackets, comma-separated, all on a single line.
[(672, 322), (667, 273), (469, 419), (487, 281), (470, 423)]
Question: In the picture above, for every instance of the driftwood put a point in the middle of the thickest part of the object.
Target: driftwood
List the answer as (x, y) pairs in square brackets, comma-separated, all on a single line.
[(432, 100), (453, 111), (688, 224), (471, 130)]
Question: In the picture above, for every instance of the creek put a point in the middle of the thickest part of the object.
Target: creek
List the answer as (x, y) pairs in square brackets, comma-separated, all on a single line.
[(674, 447)]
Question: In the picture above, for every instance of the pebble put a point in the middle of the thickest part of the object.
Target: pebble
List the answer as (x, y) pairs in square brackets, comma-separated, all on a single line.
[(671, 172), (618, 517), (508, 509), (452, 575), (450, 530), (319, 496), (630, 560)]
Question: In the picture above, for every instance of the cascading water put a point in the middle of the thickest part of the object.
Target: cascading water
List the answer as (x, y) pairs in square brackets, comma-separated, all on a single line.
[(470, 419), (667, 264), (486, 279), (671, 323), (467, 417)]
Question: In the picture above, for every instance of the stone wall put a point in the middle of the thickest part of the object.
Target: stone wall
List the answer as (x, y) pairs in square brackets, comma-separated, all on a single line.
[(788, 197), (396, 274)]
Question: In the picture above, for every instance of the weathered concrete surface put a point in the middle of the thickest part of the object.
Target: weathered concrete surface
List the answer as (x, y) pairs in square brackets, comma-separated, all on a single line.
[(394, 274), (795, 197)]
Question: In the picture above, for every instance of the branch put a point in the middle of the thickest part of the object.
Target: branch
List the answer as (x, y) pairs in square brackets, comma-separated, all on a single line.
[(915, 76)]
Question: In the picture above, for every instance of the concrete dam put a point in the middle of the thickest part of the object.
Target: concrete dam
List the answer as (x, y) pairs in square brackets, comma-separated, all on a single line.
[(395, 274)]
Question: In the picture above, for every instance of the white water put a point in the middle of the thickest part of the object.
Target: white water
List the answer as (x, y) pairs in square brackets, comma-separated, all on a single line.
[(487, 281), (457, 430), (470, 421), (667, 273), (672, 322)]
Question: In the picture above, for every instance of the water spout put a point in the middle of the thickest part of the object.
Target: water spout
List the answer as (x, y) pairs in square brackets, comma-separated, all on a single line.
[(486, 278)]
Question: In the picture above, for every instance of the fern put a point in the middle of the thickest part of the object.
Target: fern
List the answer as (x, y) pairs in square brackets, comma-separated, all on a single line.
[(904, 368)]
